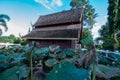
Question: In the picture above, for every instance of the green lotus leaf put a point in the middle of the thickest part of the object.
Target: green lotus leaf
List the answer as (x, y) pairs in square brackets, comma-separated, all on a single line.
[(67, 71), (108, 72), (3, 57), (68, 52), (50, 62), (61, 56), (52, 55), (12, 73)]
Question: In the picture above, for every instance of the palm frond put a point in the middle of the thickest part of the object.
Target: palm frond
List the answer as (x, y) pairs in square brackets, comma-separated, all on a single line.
[(4, 16), (4, 24)]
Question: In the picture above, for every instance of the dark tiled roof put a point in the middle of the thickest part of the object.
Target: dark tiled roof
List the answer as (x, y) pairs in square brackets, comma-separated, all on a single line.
[(53, 34), (70, 16)]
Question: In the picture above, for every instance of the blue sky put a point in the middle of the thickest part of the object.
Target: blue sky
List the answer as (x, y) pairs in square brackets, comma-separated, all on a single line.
[(22, 12)]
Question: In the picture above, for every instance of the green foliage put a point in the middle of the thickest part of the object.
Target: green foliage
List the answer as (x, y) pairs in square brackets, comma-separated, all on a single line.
[(85, 33), (108, 72), (109, 44), (57, 62), (88, 40), (112, 59), (21, 55), (24, 42), (112, 26), (108, 30), (41, 53), (104, 31), (89, 11), (17, 57), (115, 78), (103, 60), (61, 56), (3, 18), (112, 16), (17, 40), (54, 49), (3, 57), (68, 71), (77, 3), (118, 15), (68, 52), (86, 37), (11, 39), (13, 73), (50, 62)]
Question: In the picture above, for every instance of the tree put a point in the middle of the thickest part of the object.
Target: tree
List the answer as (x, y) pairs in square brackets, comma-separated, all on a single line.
[(89, 11), (112, 16), (104, 31), (110, 41), (113, 21), (109, 30), (118, 16), (3, 19)]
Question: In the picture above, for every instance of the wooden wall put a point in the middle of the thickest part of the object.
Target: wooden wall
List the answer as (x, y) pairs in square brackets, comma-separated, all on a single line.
[(62, 43)]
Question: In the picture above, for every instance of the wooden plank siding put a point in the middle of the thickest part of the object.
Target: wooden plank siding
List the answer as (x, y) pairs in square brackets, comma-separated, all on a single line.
[(62, 43)]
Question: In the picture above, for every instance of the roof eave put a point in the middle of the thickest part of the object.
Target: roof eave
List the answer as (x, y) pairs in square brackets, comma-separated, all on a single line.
[(36, 38)]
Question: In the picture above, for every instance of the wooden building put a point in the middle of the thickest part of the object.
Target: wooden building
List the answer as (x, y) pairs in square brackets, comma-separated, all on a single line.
[(61, 28)]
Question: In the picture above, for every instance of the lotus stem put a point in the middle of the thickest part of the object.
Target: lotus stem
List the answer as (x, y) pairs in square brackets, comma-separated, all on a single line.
[(31, 64), (94, 71)]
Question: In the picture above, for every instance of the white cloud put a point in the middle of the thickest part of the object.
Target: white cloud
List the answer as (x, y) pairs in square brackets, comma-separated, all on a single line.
[(15, 29), (56, 2), (95, 31), (50, 4), (44, 3), (101, 21)]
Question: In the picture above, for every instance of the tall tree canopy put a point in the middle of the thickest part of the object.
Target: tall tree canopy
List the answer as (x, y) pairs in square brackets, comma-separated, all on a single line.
[(109, 30), (3, 19), (114, 16), (118, 15), (89, 11), (104, 31)]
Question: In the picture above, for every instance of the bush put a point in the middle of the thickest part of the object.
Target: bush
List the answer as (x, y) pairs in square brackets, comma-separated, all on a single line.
[(109, 44)]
